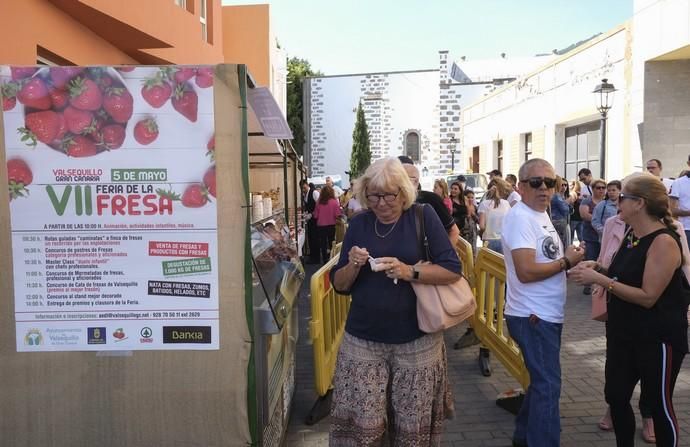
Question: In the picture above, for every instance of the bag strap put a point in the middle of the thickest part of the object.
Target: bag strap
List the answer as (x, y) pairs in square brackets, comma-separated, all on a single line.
[(422, 240)]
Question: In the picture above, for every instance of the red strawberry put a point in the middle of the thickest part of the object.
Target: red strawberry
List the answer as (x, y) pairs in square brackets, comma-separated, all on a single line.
[(79, 121), (22, 72), (125, 69), (34, 94), (118, 103), (8, 91), (156, 91), (146, 131), (112, 136), (80, 146), (195, 196), (210, 180), (96, 126), (59, 98), (85, 94), (204, 77), (185, 101), (184, 74), (42, 126), (19, 176), (62, 129), (62, 75)]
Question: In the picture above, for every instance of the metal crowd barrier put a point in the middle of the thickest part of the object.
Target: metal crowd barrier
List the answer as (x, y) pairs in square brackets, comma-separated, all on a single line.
[(489, 324), (326, 328), (464, 251)]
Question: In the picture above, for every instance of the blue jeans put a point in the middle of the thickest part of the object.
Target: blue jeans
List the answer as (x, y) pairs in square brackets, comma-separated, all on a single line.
[(538, 423), (495, 245)]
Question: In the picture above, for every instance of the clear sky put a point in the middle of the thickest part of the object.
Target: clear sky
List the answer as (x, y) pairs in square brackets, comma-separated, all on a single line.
[(356, 36)]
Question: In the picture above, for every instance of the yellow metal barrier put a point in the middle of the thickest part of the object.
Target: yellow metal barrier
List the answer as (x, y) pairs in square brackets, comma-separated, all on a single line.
[(335, 249), (340, 229), (464, 250), (489, 325), (327, 326)]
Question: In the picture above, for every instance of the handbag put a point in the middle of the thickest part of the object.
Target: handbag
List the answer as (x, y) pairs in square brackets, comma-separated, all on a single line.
[(599, 300), (440, 306), (600, 296)]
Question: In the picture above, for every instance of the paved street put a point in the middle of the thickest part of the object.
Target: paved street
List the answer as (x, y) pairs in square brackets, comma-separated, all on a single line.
[(478, 421)]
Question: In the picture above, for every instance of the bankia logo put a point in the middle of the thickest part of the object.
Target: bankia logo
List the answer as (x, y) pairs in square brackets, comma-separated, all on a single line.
[(187, 334), (96, 335)]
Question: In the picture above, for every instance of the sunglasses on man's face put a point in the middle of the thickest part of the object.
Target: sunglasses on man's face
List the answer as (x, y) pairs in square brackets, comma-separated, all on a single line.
[(536, 182)]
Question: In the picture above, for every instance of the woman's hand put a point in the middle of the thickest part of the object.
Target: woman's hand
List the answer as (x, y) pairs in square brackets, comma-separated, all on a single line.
[(358, 256), (588, 264), (584, 273), (395, 269)]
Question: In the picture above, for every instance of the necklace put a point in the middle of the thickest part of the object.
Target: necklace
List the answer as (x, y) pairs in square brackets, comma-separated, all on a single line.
[(632, 241), (376, 230)]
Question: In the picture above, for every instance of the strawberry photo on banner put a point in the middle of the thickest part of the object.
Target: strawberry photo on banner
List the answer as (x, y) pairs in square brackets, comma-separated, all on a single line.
[(112, 189)]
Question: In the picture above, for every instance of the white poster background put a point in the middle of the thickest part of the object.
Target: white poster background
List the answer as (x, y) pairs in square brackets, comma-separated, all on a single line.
[(61, 312)]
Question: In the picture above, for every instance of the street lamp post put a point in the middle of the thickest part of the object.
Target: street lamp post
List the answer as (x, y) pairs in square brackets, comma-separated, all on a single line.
[(604, 92), (453, 143)]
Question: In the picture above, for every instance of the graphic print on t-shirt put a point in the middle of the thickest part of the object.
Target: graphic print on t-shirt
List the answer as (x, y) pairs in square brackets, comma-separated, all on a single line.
[(549, 248)]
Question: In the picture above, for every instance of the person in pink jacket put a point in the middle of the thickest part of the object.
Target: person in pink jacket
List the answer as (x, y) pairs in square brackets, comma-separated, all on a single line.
[(326, 213)]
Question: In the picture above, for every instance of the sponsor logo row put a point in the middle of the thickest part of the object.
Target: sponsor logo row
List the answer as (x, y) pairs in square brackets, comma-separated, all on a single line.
[(102, 336)]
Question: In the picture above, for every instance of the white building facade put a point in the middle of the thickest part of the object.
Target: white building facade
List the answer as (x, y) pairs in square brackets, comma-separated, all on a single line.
[(415, 113), (551, 112)]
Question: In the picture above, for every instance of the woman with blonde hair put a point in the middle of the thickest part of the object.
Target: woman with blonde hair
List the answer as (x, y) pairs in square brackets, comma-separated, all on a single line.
[(391, 379), (441, 190), (647, 327), (492, 212)]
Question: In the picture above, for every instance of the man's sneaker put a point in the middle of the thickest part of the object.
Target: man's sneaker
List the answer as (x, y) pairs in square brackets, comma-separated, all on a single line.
[(469, 338)]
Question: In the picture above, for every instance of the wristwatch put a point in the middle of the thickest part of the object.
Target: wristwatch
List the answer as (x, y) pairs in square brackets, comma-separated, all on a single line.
[(415, 273)]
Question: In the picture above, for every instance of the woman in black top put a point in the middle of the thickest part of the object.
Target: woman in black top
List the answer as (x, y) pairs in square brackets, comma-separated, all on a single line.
[(459, 207), (646, 331)]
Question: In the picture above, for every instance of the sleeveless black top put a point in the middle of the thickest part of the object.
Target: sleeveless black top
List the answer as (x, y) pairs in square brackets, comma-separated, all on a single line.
[(667, 320)]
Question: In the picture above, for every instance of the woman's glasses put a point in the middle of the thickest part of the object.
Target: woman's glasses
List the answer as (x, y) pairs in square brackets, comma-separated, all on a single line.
[(387, 197), (600, 187), (536, 182)]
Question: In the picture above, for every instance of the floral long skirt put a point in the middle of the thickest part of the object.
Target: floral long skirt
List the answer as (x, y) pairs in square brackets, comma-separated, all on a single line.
[(390, 394)]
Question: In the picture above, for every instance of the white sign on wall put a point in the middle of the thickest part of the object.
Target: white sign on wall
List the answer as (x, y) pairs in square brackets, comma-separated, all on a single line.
[(112, 206)]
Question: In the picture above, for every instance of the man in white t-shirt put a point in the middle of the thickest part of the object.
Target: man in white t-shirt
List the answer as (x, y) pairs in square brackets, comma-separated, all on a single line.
[(535, 300), (585, 177), (654, 167), (680, 200)]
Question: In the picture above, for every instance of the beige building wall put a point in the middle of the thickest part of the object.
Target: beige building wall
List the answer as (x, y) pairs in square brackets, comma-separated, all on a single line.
[(551, 99)]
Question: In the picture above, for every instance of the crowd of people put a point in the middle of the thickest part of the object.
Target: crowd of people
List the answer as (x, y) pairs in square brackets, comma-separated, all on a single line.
[(616, 238)]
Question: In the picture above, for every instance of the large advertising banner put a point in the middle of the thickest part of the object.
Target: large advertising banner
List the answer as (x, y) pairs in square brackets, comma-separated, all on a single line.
[(112, 204)]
